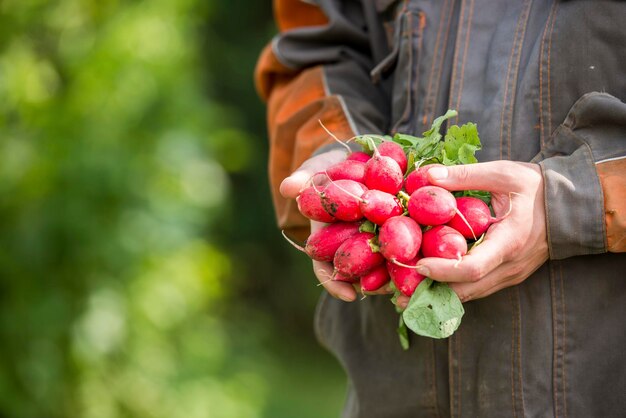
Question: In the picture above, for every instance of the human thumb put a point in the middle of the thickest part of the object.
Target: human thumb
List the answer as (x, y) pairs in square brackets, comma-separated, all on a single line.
[(290, 187), (492, 176)]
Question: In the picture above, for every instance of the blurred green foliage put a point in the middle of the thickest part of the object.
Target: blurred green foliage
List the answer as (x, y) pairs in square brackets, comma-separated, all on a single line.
[(141, 273)]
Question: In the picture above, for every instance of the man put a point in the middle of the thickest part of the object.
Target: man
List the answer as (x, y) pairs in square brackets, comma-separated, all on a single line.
[(545, 81)]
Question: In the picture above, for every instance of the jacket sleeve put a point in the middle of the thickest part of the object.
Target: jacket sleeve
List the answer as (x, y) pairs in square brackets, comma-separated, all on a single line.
[(317, 69), (584, 168)]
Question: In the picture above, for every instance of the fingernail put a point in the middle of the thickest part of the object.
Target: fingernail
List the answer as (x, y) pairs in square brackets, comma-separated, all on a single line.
[(438, 173), (423, 270)]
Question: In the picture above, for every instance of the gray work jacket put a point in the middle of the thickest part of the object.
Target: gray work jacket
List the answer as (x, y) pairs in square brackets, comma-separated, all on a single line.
[(546, 82)]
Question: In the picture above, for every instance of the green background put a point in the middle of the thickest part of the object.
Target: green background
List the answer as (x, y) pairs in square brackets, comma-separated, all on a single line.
[(141, 272)]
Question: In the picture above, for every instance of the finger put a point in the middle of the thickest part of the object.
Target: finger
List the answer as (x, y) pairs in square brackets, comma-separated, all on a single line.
[(291, 186), (402, 301), (494, 176), (490, 284), (341, 290), (472, 291), (384, 290), (475, 265), (506, 275)]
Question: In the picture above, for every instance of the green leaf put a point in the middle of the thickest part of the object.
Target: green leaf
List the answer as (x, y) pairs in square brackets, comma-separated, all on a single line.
[(369, 142), (434, 310), (374, 246), (406, 140), (466, 154), (368, 226), (403, 334), (460, 144), (436, 126)]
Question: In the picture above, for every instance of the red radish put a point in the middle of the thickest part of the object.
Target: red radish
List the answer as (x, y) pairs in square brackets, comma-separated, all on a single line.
[(477, 215), (323, 244), (399, 238), (378, 206), (359, 156), (406, 279), (375, 279), (432, 205), (347, 170), (310, 205), (343, 278), (355, 257), (443, 242), (417, 179), (341, 199), (395, 151), (383, 173)]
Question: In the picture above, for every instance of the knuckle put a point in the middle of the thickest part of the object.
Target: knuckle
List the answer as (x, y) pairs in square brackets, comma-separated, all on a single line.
[(462, 174), (474, 273), (516, 271)]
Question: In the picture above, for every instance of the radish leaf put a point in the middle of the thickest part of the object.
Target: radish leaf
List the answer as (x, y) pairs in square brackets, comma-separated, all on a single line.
[(434, 310), (403, 334)]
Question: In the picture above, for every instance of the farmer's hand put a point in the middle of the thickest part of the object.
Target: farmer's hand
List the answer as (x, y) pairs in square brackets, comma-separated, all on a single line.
[(290, 188), (514, 247)]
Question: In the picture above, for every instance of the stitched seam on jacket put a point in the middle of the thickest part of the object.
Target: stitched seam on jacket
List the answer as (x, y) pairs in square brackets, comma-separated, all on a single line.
[(524, 16), (434, 60), (506, 86), (452, 399), (554, 341), (455, 61), (519, 351), (440, 52), (516, 354), (542, 135), (563, 378), (549, 61), (462, 75), (513, 338), (434, 377), (558, 308), (458, 343), (510, 83), (445, 48), (406, 20), (417, 34)]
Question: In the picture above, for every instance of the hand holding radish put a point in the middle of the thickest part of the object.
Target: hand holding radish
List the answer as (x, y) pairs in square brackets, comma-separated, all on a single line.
[(388, 214), (291, 188), (512, 248)]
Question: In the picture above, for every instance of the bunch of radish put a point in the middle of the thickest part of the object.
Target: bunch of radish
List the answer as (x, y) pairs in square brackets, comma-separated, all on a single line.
[(383, 215)]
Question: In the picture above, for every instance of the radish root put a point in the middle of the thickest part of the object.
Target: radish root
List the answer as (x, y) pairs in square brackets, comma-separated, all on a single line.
[(360, 199), (397, 263), (335, 138), (292, 242), (458, 212)]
